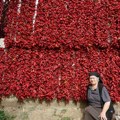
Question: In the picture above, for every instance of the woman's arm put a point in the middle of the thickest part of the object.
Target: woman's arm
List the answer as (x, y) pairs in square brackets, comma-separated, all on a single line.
[(104, 110), (106, 107), (107, 100)]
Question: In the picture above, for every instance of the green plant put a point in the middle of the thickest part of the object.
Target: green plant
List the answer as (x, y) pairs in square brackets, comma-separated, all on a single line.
[(4, 116)]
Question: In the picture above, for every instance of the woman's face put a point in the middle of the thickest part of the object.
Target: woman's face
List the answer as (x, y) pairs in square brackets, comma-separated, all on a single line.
[(94, 80)]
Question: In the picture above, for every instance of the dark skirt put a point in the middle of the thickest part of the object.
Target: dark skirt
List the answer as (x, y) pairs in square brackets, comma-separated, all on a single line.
[(92, 113)]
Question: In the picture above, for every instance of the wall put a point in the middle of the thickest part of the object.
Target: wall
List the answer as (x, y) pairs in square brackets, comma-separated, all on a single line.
[(34, 110), (2, 43)]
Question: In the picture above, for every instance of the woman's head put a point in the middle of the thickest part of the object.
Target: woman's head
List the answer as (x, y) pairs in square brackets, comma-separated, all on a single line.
[(94, 78)]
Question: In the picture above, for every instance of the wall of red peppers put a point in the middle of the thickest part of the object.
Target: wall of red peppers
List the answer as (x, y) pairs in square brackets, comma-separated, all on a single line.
[(51, 58)]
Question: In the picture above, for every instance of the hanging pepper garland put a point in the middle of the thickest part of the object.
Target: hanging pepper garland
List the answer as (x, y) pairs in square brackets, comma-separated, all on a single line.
[(52, 59), (58, 23), (114, 24), (61, 74), (30, 73), (101, 28), (20, 24), (1, 4), (1, 10), (10, 28), (2, 68)]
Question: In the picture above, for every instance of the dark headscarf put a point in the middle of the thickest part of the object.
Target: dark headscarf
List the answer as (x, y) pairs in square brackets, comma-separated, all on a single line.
[(97, 75)]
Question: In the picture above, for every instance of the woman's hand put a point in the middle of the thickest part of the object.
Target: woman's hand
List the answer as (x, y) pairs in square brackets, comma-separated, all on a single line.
[(103, 116)]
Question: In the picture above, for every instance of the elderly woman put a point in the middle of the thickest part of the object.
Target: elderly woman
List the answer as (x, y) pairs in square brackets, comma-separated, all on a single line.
[(99, 100)]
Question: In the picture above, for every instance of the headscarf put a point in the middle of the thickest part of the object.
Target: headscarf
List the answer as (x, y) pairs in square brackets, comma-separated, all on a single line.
[(97, 75)]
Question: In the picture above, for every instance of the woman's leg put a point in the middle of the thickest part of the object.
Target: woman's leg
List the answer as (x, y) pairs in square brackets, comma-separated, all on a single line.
[(88, 116), (92, 113)]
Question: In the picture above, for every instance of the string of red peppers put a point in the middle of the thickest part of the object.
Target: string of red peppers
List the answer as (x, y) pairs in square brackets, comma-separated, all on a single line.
[(1, 8), (37, 65)]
